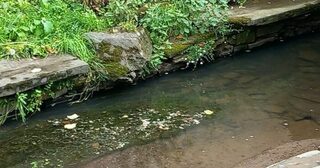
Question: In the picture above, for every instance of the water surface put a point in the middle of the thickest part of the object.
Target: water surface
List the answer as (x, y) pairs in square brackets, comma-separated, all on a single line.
[(261, 100)]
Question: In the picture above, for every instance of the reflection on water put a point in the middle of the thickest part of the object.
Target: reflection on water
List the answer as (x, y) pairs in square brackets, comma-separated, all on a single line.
[(263, 99)]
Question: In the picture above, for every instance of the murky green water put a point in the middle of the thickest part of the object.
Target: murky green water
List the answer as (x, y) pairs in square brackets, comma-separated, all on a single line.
[(261, 100)]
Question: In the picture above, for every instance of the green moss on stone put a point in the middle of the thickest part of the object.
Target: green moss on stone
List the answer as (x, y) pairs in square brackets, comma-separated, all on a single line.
[(239, 20), (113, 52), (179, 47), (111, 56), (176, 49), (116, 70)]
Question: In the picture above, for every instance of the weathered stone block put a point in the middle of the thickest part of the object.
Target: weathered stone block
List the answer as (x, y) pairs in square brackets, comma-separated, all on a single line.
[(22, 75), (269, 29), (244, 37), (261, 42), (263, 15), (122, 52)]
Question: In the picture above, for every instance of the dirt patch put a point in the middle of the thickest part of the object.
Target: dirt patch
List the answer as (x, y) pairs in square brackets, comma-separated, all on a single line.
[(280, 153)]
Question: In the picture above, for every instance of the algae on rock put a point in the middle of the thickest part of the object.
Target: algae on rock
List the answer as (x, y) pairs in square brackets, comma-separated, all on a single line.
[(125, 54)]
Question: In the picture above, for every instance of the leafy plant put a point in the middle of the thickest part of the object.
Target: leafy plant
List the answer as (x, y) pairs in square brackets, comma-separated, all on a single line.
[(200, 51), (42, 27), (29, 102), (165, 19)]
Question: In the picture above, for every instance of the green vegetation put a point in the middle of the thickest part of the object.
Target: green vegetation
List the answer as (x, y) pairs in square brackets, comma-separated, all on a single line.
[(241, 2), (41, 27), (37, 28), (166, 19), (29, 102)]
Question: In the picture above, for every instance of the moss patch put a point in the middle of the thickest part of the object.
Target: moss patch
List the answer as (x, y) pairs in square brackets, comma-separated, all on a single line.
[(239, 20), (116, 70), (179, 46), (111, 55), (176, 49)]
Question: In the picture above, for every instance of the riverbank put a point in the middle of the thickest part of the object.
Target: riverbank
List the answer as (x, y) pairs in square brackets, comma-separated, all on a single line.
[(256, 24)]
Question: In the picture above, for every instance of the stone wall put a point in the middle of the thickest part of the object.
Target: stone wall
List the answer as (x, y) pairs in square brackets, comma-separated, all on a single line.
[(246, 38), (250, 37)]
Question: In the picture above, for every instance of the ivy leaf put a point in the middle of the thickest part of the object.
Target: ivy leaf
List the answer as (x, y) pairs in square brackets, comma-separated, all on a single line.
[(47, 26), (36, 22), (44, 2)]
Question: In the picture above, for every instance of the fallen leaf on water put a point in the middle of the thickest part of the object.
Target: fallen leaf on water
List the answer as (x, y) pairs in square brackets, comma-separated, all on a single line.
[(73, 116), (70, 126), (196, 121), (145, 124), (125, 116), (208, 112), (163, 127)]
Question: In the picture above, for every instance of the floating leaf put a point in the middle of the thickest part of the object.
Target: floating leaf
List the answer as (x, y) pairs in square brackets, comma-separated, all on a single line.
[(70, 126), (73, 116), (208, 112)]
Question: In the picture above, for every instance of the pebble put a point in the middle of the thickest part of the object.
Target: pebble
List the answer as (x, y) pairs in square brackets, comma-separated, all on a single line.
[(247, 51), (285, 124), (251, 136), (35, 70)]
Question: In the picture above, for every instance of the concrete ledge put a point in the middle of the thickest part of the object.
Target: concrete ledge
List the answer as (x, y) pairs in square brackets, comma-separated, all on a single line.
[(26, 74), (265, 12), (309, 159)]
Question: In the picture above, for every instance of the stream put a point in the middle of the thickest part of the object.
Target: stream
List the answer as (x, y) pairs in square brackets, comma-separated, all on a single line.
[(215, 116)]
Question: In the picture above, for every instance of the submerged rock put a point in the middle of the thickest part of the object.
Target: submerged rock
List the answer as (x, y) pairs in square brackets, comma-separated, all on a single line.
[(124, 53)]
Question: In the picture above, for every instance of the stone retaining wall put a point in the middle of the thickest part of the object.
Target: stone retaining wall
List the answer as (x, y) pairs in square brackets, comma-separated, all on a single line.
[(246, 38), (255, 36)]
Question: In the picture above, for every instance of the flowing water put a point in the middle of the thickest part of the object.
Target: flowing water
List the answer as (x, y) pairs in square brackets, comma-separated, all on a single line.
[(260, 100)]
